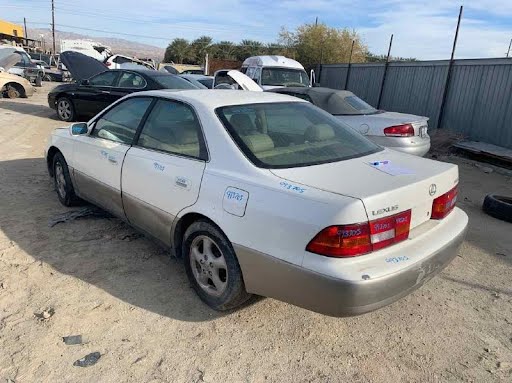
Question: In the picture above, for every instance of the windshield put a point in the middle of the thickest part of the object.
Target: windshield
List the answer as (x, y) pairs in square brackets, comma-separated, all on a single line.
[(284, 77), (173, 82), (291, 134)]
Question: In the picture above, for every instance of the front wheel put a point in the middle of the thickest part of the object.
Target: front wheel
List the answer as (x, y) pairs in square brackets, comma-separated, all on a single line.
[(65, 109), (212, 267), (62, 181)]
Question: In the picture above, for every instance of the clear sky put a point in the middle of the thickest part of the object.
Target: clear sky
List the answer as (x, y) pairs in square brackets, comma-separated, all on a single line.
[(422, 29)]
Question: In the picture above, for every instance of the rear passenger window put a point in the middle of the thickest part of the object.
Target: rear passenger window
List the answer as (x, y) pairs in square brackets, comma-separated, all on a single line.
[(174, 128), (131, 80), (120, 123)]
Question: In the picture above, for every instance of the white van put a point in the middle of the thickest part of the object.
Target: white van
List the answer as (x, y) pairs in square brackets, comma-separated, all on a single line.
[(275, 71)]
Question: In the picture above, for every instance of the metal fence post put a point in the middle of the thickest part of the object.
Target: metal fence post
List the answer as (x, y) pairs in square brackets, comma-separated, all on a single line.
[(349, 65), (449, 74), (385, 73)]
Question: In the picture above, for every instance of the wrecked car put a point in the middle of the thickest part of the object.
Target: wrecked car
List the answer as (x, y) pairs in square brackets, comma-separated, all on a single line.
[(265, 194), (11, 85), (96, 86)]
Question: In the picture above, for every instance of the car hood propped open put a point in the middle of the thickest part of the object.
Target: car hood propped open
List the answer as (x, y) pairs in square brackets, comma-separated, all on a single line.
[(81, 66), (8, 57)]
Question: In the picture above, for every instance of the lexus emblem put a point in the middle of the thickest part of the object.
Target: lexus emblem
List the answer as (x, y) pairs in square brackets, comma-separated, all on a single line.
[(432, 189)]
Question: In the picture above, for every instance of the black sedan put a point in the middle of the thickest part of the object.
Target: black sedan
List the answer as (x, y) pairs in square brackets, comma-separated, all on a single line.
[(96, 86)]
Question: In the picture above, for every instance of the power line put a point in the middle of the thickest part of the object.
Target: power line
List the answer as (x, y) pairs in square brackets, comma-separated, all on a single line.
[(268, 46)]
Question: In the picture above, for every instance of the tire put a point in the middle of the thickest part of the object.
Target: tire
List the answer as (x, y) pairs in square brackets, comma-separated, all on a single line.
[(65, 109), (39, 80), (62, 181), (212, 267), (499, 207), (12, 91)]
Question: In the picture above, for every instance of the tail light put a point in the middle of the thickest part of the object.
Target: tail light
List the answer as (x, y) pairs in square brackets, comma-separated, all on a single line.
[(108, 63), (405, 130), (443, 205), (358, 239)]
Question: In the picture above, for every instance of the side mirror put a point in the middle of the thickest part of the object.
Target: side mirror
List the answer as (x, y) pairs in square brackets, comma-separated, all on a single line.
[(84, 82), (79, 129)]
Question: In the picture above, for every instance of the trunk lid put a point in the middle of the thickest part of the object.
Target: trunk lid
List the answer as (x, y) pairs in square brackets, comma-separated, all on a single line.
[(382, 194), (374, 124), (81, 66)]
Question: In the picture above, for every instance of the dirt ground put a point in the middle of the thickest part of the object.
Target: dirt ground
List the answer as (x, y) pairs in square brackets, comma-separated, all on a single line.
[(132, 303)]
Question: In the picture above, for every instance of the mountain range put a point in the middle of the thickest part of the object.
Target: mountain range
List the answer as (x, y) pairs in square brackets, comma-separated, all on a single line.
[(118, 46)]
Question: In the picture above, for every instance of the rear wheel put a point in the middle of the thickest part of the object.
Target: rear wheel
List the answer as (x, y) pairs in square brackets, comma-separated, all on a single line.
[(62, 181), (39, 80), (65, 109), (212, 267)]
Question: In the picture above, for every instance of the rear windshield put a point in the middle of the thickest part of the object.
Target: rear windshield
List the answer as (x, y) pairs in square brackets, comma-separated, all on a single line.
[(169, 81), (339, 104), (292, 134)]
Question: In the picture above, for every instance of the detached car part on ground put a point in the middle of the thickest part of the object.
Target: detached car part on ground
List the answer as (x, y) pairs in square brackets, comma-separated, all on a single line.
[(96, 86), (498, 206), (265, 194), (11, 85), (403, 132)]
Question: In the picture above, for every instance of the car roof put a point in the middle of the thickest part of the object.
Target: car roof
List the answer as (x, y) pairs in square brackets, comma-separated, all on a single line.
[(272, 61), (195, 76), (214, 98), (308, 90)]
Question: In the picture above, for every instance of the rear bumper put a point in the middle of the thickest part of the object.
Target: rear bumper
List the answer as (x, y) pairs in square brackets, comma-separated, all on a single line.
[(416, 146), (268, 276)]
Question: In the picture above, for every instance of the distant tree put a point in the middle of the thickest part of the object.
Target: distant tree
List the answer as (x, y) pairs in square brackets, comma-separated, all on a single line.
[(372, 58), (177, 51), (199, 48), (315, 43), (225, 50), (249, 48)]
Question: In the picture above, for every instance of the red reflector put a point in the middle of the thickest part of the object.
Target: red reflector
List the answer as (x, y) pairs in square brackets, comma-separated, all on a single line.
[(108, 63), (443, 205), (359, 239), (405, 130)]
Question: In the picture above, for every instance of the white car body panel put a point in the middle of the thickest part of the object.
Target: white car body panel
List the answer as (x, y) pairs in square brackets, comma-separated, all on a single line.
[(275, 222)]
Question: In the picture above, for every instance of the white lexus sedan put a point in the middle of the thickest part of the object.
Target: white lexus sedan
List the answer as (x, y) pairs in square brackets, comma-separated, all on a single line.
[(265, 194)]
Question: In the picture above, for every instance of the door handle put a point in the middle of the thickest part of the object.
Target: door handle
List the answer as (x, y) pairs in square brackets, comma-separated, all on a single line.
[(112, 160), (105, 92)]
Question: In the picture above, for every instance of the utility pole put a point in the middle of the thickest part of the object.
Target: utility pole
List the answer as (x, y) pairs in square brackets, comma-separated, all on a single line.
[(509, 45), (26, 33), (316, 21), (53, 26)]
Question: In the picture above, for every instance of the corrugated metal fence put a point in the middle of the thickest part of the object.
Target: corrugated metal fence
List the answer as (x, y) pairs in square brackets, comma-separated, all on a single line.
[(479, 94)]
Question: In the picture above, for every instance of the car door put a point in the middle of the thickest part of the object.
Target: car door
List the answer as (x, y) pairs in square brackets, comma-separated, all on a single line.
[(162, 172), (94, 95), (98, 157)]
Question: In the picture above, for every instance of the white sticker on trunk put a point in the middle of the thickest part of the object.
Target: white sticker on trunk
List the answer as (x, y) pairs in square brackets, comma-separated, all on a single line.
[(389, 168), (235, 201)]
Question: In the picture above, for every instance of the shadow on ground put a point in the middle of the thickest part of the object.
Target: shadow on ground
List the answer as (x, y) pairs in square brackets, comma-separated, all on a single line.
[(103, 252)]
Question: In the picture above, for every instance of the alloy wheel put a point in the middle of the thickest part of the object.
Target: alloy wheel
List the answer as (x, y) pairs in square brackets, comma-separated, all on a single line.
[(64, 108), (208, 265), (61, 180)]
